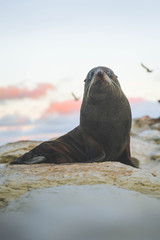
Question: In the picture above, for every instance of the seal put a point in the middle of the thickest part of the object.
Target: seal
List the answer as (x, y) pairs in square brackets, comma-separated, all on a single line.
[(104, 130)]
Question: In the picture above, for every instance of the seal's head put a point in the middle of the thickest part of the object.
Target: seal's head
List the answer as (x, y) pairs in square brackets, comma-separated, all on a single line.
[(100, 80)]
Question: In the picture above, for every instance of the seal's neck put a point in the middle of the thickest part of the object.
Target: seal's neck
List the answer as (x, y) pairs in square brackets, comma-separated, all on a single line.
[(102, 97)]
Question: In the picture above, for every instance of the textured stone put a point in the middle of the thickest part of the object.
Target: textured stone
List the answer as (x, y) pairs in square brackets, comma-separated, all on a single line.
[(150, 135), (18, 179), (156, 156), (97, 212), (11, 151)]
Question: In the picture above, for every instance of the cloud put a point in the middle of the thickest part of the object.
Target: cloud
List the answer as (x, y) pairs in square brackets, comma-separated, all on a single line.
[(65, 107), (14, 120), (71, 106), (17, 127), (41, 129), (15, 123), (136, 100), (12, 92)]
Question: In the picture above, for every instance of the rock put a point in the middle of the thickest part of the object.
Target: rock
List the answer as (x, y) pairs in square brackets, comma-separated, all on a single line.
[(156, 156), (143, 150), (150, 135), (145, 124), (81, 212), (16, 180), (145, 142), (156, 126), (11, 151)]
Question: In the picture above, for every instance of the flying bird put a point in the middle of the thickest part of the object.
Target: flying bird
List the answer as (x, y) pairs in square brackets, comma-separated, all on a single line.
[(75, 97), (147, 69)]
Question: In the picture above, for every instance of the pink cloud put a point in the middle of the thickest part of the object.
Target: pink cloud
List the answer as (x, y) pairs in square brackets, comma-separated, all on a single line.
[(12, 92), (65, 107), (70, 106), (136, 100), (22, 120), (39, 136)]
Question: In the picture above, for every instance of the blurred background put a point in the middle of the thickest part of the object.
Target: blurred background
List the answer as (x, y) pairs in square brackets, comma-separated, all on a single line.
[(48, 47)]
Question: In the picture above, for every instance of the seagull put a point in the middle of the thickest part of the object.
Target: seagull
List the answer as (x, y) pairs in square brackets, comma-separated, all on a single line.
[(147, 69), (75, 97)]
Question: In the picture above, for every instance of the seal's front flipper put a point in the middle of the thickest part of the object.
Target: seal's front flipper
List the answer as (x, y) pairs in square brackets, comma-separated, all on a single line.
[(98, 158), (95, 153), (38, 159), (31, 160)]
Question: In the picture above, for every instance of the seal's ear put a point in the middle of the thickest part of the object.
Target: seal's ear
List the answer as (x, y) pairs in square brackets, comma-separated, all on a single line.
[(85, 80)]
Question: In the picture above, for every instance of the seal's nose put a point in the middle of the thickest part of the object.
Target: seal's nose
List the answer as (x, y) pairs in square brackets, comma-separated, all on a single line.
[(100, 74)]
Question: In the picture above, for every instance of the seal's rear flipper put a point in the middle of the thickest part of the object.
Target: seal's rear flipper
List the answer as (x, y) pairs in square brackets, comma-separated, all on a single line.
[(34, 160), (125, 157), (127, 161)]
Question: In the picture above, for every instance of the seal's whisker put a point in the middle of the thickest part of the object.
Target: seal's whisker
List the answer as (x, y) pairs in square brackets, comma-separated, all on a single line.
[(115, 84), (113, 87), (88, 93), (89, 88)]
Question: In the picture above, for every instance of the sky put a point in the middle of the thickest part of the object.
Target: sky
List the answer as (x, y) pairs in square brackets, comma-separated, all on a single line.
[(48, 47)]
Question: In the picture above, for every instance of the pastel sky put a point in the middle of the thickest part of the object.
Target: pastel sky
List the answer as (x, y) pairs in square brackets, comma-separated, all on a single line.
[(47, 47)]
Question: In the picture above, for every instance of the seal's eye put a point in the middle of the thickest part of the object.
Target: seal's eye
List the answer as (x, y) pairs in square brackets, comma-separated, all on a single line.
[(108, 72), (90, 75)]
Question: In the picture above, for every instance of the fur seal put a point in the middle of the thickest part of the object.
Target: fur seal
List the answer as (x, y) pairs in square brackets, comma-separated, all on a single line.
[(104, 130)]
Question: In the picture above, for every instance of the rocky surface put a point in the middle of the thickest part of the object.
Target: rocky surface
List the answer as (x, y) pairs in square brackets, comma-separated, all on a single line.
[(11, 151), (16, 180), (82, 213), (145, 142)]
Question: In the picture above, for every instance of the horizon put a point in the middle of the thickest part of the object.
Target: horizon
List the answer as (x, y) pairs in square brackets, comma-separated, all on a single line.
[(58, 119)]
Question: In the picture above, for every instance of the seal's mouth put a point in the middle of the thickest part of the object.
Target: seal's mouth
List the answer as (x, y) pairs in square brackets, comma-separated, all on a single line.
[(101, 78)]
